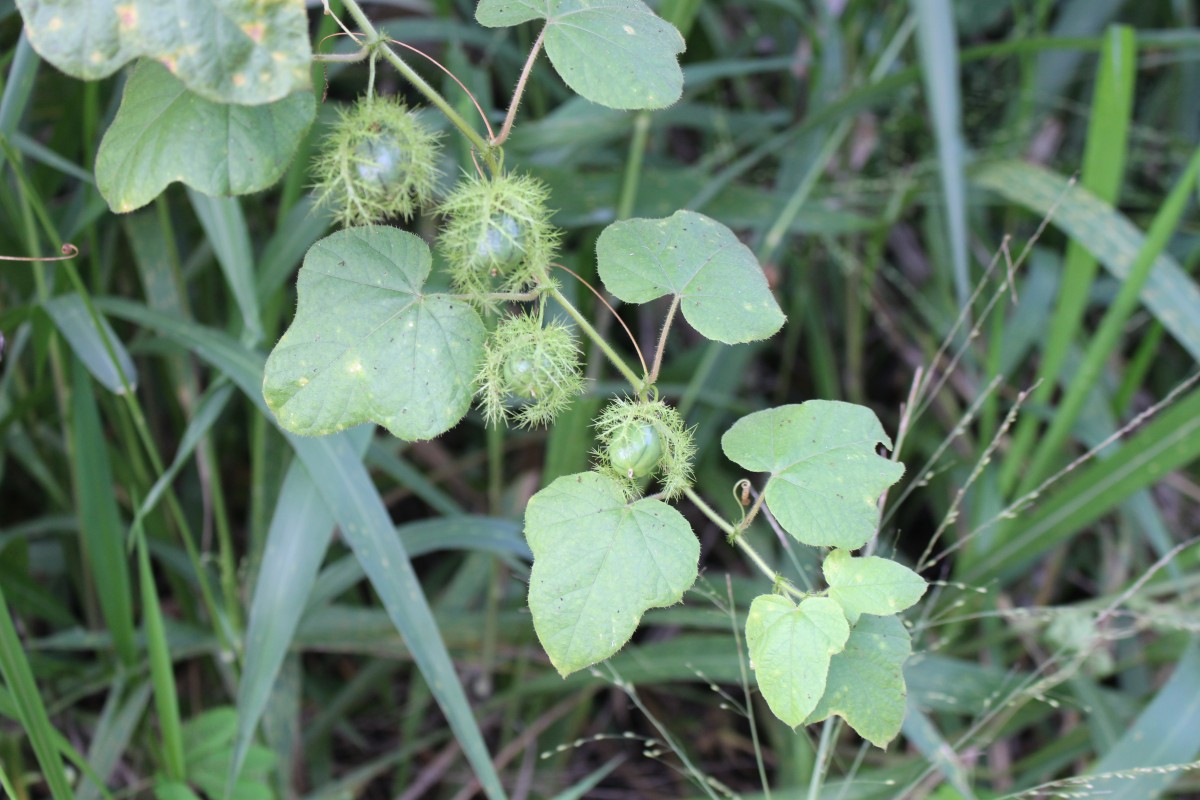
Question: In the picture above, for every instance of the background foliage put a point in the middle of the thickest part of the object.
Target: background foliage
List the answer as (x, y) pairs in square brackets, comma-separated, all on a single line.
[(891, 165)]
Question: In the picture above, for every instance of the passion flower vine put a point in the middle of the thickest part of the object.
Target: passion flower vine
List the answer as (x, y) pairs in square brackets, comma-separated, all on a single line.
[(377, 162), (497, 234), (530, 371), (639, 440)]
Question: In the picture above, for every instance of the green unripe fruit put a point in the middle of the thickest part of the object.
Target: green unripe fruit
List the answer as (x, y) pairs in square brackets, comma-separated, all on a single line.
[(500, 246), (529, 378), (378, 162), (635, 449), (383, 161)]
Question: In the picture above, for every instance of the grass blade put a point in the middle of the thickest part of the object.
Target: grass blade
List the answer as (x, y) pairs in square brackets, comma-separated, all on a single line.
[(71, 317), (161, 675), (348, 491), (1108, 335), (300, 532), (225, 226), (18, 677), (938, 44), (1167, 732), (1169, 293), (1103, 169), (100, 526)]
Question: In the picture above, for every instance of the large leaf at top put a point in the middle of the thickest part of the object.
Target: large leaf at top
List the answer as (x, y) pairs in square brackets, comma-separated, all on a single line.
[(790, 647), (617, 53), (866, 680), (599, 562), (368, 345), (871, 585), (721, 288), (232, 51), (163, 132), (825, 477)]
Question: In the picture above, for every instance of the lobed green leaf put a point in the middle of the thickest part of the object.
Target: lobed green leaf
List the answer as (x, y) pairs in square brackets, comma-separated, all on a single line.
[(368, 345), (599, 563), (229, 51), (617, 53), (790, 649), (163, 132), (722, 291), (866, 680), (871, 585), (825, 478)]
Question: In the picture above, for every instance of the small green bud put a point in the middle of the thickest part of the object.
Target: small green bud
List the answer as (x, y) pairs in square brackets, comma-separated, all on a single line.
[(635, 449)]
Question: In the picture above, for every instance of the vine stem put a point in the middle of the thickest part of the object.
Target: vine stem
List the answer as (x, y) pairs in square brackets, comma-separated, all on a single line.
[(662, 340), (419, 83), (611, 310), (519, 92), (638, 384), (735, 536)]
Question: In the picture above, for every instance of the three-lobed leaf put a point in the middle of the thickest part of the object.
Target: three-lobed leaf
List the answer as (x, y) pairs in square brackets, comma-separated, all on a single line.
[(865, 686), (790, 650), (722, 291), (617, 53), (164, 132), (871, 585), (368, 345), (825, 477), (230, 51), (599, 563)]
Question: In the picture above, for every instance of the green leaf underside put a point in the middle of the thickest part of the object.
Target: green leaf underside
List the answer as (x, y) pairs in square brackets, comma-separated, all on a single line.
[(825, 476), (871, 585), (722, 291), (866, 680), (164, 133), (367, 346), (790, 648), (599, 563), (232, 51), (617, 53)]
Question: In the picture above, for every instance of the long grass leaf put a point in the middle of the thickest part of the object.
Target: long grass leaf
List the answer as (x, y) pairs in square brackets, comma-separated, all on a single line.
[(1169, 293), (225, 226), (348, 491), (162, 676), (1166, 443), (1105, 340), (1166, 733), (1103, 169), (28, 701), (938, 44), (297, 539), (100, 527), (73, 320)]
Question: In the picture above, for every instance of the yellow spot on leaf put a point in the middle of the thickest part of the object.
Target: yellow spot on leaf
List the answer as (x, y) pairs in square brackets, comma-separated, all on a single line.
[(278, 56), (170, 63), (629, 29), (127, 15), (355, 368), (54, 24), (239, 79), (303, 381), (96, 57), (254, 30)]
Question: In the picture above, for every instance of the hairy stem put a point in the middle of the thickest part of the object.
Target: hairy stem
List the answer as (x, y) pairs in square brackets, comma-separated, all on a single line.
[(419, 83), (735, 536), (637, 383), (662, 341), (519, 92)]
